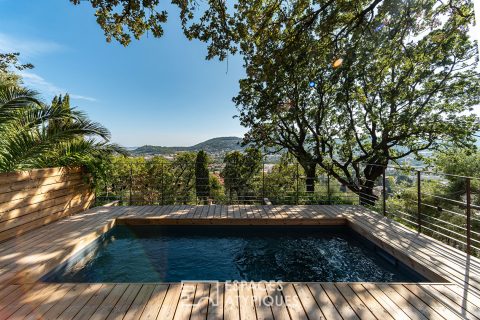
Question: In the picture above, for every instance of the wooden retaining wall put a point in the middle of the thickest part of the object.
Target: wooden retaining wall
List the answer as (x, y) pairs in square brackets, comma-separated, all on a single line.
[(31, 199)]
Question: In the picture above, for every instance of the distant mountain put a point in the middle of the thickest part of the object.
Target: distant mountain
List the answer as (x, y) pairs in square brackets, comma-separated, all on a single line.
[(215, 145)]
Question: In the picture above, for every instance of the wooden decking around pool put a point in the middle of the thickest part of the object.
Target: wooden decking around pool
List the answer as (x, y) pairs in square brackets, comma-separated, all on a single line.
[(455, 294)]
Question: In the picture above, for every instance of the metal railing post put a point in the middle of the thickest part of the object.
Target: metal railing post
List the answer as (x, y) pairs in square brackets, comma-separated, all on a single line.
[(162, 188), (419, 202), (329, 198), (263, 181), (131, 182), (296, 196), (384, 191), (469, 218)]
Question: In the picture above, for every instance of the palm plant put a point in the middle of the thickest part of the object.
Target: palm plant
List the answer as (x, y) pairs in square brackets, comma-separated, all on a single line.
[(35, 135)]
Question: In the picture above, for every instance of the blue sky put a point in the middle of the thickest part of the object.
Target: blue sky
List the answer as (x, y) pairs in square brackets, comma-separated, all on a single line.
[(155, 91)]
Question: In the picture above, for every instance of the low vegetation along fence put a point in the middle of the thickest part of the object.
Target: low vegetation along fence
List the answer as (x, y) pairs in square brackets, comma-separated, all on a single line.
[(446, 207), (30, 199)]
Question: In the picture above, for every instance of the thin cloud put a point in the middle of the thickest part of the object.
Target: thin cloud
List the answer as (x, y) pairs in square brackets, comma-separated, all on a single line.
[(28, 47), (34, 81), (79, 97)]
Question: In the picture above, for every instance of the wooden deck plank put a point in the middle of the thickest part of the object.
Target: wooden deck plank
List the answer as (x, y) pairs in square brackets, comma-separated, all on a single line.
[(138, 305), (23, 299), (216, 301), (395, 311), (40, 310), (121, 308), (171, 302), (354, 301), (246, 302), (6, 290), (308, 302), (13, 296), (262, 301), (34, 299), (450, 292), (155, 302), (417, 303), (432, 253), (185, 304), (401, 302), (231, 308), (294, 306), (279, 307), (201, 302), (92, 304), (432, 302), (339, 301), (109, 303), (72, 302), (373, 305), (323, 301), (423, 260)]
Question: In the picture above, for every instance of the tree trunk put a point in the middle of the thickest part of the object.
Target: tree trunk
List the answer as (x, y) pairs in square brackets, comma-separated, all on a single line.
[(310, 172), (366, 195)]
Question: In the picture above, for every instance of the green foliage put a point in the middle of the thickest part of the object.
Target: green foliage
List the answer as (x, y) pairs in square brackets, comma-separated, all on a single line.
[(407, 82), (120, 19), (239, 172), (216, 189), (457, 164), (202, 176), (443, 201), (36, 135), (28, 140), (8, 64)]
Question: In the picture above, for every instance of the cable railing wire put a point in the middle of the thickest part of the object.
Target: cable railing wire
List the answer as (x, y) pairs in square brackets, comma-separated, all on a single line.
[(403, 194)]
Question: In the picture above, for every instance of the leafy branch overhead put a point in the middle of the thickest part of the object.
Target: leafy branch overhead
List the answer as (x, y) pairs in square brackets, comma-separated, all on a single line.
[(222, 26)]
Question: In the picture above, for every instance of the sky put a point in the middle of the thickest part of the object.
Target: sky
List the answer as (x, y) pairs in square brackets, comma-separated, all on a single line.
[(155, 91)]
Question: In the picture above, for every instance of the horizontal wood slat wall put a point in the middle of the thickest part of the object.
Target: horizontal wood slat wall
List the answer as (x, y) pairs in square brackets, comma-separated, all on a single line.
[(31, 199)]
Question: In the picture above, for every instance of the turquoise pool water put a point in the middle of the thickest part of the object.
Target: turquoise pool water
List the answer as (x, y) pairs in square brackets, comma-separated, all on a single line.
[(176, 253)]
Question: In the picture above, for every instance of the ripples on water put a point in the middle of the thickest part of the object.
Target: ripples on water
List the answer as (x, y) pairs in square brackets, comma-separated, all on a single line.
[(164, 254)]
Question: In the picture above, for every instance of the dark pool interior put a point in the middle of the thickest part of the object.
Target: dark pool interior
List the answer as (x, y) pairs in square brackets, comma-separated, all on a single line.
[(251, 253)]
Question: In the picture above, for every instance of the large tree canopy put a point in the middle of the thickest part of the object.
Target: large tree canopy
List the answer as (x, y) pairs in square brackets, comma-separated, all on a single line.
[(401, 81), (348, 85)]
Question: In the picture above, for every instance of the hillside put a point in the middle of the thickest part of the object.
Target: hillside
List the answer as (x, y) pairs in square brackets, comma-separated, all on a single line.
[(215, 145)]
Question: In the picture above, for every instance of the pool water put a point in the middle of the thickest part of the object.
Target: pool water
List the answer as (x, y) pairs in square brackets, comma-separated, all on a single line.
[(176, 253)]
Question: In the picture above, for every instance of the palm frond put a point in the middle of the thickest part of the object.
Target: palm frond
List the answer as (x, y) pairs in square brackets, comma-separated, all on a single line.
[(13, 99), (38, 135)]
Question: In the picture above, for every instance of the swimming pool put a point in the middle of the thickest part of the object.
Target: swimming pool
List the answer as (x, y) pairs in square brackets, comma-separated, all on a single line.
[(223, 253)]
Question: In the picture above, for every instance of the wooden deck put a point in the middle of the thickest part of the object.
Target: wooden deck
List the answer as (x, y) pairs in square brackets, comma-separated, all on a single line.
[(455, 294)]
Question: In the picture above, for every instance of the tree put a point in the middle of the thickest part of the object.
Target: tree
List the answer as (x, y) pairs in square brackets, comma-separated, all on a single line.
[(36, 135), (28, 141), (8, 64), (183, 173), (239, 172), (202, 176), (457, 164), (405, 83)]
